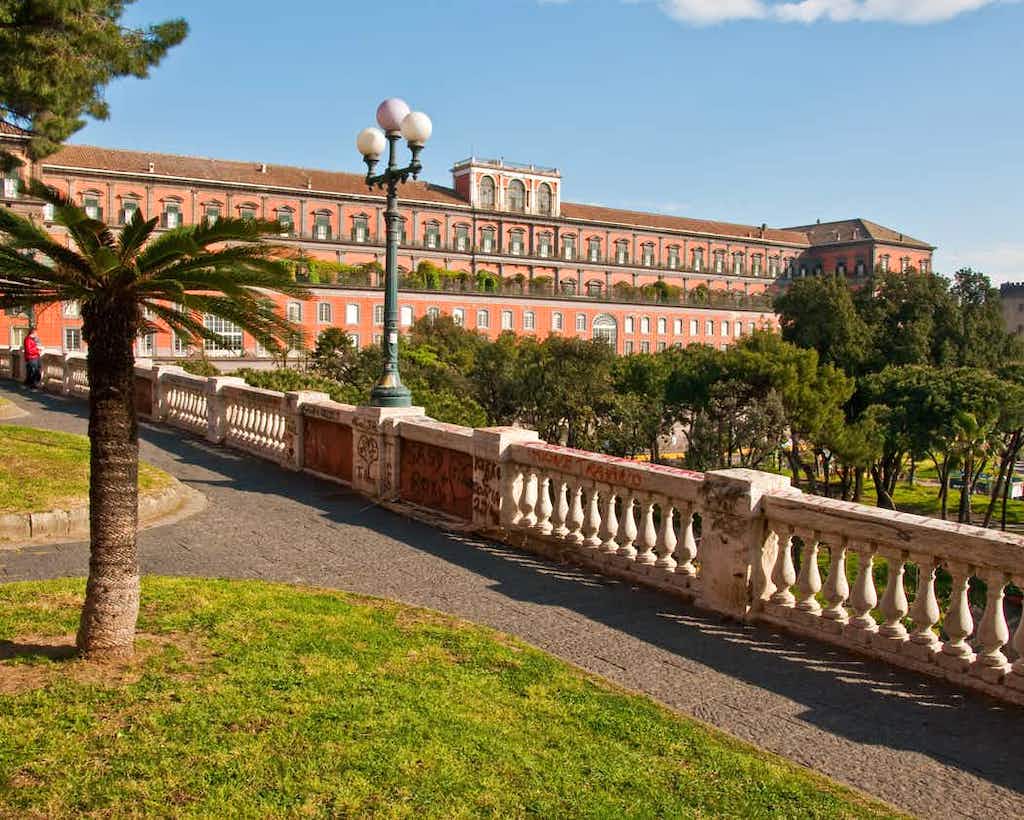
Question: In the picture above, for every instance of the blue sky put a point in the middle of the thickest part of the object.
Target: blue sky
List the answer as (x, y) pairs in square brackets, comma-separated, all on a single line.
[(907, 112)]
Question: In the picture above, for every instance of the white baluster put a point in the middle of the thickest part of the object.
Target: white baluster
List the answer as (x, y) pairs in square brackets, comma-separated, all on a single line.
[(864, 597), (560, 512), (592, 522), (925, 612), (894, 602), (528, 503), (993, 631), (958, 622), (784, 574), (575, 521), (837, 588), (1016, 678), (609, 524), (544, 507), (648, 535), (808, 582), (687, 550), (511, 487), (665, 546), (627, 529)]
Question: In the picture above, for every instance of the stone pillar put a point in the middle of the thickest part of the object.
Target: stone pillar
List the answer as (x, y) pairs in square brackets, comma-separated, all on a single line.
[(159, 395), (489, 446), (376, 450), (733, 550), (216, 421), (295, 428)]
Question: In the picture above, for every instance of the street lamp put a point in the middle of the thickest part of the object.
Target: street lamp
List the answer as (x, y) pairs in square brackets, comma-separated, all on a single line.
[(398, 121)]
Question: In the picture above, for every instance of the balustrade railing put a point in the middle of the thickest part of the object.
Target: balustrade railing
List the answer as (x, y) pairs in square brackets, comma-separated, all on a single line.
[(184, 402), (933, 596), (624, 514), (52, 371), (255, 420), (6, 362)]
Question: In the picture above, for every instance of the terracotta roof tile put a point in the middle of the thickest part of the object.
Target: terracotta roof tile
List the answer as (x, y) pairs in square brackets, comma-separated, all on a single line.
[(573, 210), (850, 230), (241, 173), (11, 130)]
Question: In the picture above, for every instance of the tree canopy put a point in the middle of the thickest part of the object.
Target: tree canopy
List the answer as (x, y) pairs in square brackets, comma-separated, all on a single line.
[(57, 57)]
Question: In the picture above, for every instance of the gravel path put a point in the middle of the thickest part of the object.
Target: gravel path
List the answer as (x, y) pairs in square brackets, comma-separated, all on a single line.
[(926, 747)]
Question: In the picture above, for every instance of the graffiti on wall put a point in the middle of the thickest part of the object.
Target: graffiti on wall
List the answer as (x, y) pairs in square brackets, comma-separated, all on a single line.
[(327, 448), (436, 478)]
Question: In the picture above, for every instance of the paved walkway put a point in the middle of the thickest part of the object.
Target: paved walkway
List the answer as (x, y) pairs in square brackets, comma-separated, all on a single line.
[(922, 745)]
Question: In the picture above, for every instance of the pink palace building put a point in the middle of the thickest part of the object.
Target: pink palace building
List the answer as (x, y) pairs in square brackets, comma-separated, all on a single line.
[(518, 256)]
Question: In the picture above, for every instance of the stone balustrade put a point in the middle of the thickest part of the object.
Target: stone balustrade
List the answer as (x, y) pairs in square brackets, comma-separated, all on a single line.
[(920, 593)]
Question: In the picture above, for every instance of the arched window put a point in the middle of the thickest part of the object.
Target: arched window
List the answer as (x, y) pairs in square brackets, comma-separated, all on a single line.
[(91, 204), (129, 205), (322, 224), (516, 196), (487, 240), (605, 328), (487, 192), (432, 234), (544, 199), (286, 219), (172, 213)]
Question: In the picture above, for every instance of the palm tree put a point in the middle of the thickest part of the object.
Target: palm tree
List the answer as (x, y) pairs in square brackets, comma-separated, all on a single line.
[(222, 269)]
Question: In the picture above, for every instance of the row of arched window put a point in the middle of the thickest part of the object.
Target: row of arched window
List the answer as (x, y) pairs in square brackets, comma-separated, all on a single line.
[(516, 196)]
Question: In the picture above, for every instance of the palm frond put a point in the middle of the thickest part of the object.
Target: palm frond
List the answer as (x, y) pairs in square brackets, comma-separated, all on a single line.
[(24, 235), (254, 313), (134, 235)]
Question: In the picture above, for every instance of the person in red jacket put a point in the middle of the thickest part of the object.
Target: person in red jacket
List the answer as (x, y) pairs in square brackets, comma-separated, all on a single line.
[(33, 368)]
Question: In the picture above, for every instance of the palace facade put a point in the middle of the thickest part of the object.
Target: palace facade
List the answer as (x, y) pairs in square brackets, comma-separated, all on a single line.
[(519, 256)]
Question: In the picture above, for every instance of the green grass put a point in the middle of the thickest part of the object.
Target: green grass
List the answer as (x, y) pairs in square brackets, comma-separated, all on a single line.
[(45, 470), (265, 700)]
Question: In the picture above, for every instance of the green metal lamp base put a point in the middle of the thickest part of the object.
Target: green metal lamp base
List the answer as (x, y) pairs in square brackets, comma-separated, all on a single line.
[(396, 396)]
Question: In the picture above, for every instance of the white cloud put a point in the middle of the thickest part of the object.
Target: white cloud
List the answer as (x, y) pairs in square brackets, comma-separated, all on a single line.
[(710, 12), (1002, 261)]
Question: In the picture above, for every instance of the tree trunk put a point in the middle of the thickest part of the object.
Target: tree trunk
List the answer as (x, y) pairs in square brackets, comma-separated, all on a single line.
[(858, 485), (967, 476), (107, 627), (884, 497)]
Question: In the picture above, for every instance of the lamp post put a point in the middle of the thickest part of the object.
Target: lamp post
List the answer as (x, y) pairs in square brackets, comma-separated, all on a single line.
[(397, 121)]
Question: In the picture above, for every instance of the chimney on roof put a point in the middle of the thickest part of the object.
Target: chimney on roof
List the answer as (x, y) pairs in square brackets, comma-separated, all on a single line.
[(263, 167), (764, 229), (152, 167), (819, 221), (309, 184), (901, 237)]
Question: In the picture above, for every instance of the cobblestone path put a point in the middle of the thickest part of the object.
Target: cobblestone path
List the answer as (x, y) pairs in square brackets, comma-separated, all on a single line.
[(926, 747)]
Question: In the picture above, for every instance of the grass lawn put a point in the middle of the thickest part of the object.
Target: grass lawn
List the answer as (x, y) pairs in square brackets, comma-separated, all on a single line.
[(251, 699), (44, 470)]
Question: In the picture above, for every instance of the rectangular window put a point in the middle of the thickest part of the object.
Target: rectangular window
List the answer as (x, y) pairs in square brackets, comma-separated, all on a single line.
[(529, 320), (405, 315), (146, 344), (630, 324), (648, 255), (432, 237), (72, 339), (378, 314), (627, 348), (322, 226), (661, 346), (516, 244), (756, 265), (247, 212), (351, 314), (737, 329), (461, 238), (48, 212), (487, 241), (284, 220), (459, 316), (128, 209), (212, 214), (709, 328), (294, 312), (172, 216), (645, 324), (673, 257), (178, 344), (11, 185), (557, 322), (72, 310), (355, 340), (677, 327), (483, 319), (594, 250), (621, 253), (662, 326), (581, 321), (737, 264), (506, 320), (725, 329), (698, 259), (377, 338), (92, 207), (324, 314), (719, 261), (433, 314), (694, 327), (544, 246), (569, 247), (359, 229)]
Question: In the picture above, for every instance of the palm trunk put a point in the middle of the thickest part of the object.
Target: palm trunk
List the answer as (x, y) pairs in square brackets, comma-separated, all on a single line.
[(107, 628)]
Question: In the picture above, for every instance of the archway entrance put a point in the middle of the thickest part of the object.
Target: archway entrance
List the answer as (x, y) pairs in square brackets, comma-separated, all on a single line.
[(606, 328)]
